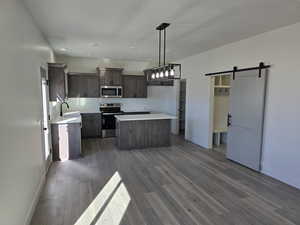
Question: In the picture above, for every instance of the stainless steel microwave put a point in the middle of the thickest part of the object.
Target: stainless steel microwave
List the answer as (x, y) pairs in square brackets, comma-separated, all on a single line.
[(111, 91)]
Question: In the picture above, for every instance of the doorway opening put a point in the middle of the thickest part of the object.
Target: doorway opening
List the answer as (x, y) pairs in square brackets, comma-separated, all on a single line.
[(221, 98), (182, 104), (46, 118)]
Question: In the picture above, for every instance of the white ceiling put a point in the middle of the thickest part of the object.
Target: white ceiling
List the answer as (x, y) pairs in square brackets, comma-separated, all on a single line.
[(125, 29)]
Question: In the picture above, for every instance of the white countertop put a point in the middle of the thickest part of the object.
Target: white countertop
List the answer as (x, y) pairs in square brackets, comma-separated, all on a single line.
[(80, 112), (71, 117), (157, 116)]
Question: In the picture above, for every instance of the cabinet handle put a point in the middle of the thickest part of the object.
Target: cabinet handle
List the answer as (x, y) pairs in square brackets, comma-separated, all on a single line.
[(229, 117)]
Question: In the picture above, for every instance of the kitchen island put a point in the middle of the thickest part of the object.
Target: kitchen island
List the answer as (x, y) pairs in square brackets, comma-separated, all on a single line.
[(143, 131)]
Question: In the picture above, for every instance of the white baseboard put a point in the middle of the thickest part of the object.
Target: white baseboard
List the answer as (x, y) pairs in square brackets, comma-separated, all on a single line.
[(35, 200), (267, 173)]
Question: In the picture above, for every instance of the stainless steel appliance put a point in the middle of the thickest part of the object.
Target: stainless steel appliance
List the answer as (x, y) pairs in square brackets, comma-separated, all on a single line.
[(111, 91), (108, 112)]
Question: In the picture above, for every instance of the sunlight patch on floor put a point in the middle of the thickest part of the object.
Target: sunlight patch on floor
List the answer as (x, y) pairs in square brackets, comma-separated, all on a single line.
[(116, 208), (97, 204), (63, 142)]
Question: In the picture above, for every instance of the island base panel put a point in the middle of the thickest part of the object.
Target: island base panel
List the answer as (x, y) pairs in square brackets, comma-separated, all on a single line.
[(143, 134)]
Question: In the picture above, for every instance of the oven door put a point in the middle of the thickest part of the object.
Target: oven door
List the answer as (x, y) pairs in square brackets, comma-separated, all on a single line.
[(108, 122), (111, 92), (108, 125)]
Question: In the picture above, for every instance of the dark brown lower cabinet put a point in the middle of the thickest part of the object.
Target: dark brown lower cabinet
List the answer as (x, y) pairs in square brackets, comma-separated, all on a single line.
[(66, 141), (91, 125), (143, 134)]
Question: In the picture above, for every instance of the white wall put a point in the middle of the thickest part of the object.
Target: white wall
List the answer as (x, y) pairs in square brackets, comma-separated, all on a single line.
[(165, 99), (281, 49), (89, 65), (22, 51)]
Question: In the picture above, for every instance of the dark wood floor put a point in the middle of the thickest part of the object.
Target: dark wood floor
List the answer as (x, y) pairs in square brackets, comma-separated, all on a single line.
[(179, 185)]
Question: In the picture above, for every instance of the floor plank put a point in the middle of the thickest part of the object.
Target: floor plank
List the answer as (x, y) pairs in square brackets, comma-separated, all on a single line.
[(182, 184)]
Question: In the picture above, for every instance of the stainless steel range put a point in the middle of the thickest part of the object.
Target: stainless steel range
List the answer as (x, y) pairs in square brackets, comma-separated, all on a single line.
[(108, 112)]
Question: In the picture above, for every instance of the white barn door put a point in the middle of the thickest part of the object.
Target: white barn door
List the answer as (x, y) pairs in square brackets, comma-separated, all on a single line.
[(246, 115)]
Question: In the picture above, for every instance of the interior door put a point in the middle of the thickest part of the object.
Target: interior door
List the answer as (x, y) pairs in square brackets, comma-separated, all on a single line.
[(46, 140), (246, 115)]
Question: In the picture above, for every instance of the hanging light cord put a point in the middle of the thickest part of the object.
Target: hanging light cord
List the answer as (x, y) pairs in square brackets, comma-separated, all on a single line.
[(159, 46), (165, 35)]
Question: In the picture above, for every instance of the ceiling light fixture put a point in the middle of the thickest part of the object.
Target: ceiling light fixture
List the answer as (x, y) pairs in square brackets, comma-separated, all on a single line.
[(63, 49), (165, 71)]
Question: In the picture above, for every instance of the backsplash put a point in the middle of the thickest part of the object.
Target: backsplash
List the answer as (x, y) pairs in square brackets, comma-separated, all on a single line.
[(92, 105), (54, 110)]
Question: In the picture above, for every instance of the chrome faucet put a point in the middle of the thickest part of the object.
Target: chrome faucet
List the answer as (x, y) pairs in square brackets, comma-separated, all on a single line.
[(61, 104)]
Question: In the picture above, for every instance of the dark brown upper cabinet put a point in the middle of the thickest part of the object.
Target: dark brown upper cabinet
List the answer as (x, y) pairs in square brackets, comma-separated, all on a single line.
[(134, 86), (83, 85), (129, 86), (110, 76), (57, 81), (141, 87)]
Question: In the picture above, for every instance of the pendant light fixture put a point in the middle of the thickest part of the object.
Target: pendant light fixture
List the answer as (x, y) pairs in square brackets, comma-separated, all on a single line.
[(153, 75), (165, 71), (161, 74), (172, 71), (157, 74)]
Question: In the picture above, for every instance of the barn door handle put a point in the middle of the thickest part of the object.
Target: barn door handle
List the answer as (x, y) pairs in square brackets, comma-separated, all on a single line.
[(229, 120)]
